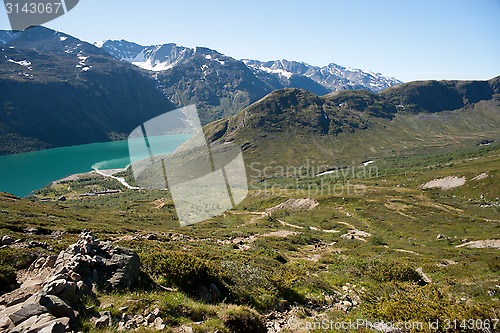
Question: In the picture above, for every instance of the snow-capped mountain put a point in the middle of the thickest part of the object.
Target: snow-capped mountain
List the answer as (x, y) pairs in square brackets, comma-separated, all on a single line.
[(221, 85), (154, 58), (277, 74), (333, 77), (74, 55)]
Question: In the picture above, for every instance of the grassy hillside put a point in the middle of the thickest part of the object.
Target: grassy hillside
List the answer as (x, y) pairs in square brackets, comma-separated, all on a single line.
[(291, 127), (352, 256)]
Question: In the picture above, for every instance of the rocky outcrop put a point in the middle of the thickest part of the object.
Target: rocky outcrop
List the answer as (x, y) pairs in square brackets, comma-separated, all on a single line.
[(50, 297)]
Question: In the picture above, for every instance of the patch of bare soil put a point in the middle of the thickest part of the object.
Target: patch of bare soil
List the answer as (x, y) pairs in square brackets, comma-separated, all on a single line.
[(481, 176), (482, 244), (159, 203), (77, 176), (295, 204), (280, 233), (445, 183), (355, 233)]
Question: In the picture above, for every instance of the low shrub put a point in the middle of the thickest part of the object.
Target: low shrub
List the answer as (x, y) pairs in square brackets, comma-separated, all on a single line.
[(377, 240), (12, 260), (409, 302), (17, 258), (385, 271), (8, 280), (241, 319), (183, 270)]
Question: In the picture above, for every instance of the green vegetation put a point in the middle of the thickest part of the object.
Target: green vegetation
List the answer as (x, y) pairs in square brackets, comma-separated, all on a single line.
[(287, 262), (291, 126), (374, 245)]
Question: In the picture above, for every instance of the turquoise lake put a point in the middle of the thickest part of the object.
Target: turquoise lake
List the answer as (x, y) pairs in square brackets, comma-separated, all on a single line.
[(20, 174)]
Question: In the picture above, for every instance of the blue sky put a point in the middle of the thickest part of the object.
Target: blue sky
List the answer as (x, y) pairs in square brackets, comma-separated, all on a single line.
[(410, 40)]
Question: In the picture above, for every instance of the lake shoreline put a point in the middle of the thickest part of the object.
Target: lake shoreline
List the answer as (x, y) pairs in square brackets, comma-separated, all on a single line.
[(23, 174)]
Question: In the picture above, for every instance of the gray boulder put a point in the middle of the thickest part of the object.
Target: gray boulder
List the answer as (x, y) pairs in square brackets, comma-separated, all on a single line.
[(26, 311), (103, 320), (204, 294), (66, 290), (6, 240), (57, 307), (122, 270), (49, 324), (15, 297), (97, 262)]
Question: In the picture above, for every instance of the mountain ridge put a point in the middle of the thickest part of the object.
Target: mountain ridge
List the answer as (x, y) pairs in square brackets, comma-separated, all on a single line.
[(78, 93), (178, 69), (217, 84), (292, 125), (332, 77), (63, 73)]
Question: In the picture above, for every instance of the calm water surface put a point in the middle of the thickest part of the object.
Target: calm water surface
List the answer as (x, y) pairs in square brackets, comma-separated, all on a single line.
[(20, 174)]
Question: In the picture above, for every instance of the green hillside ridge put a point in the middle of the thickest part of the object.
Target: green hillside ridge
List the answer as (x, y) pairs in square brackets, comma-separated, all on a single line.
[(436, 96), (373, 246), (291, 126), (217, 91)]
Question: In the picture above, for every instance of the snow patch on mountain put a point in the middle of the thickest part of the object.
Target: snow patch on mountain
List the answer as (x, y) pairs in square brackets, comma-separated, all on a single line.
[(24, 63), (153, 58), (82, 63), (82, 58), (153, 66), (280, 73), (213, 58), (333, 77)]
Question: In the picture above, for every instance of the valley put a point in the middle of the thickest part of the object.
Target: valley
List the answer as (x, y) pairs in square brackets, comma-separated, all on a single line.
[(282, 258), (371, 202)]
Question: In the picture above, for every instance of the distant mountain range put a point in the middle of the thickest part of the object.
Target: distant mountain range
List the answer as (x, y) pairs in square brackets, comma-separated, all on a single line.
[(58, 90), (332, 77), (288, 73), (221, 85)]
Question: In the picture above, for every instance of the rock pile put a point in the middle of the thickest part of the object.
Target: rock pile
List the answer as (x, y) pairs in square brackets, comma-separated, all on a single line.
[(294, 205), (130, 322), (150, 319), (50, 297), (349, 298), (345, 300)]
